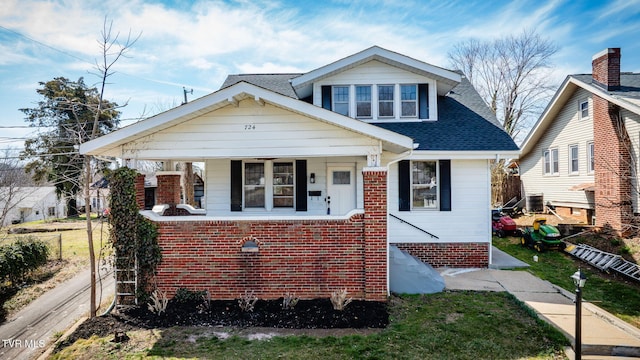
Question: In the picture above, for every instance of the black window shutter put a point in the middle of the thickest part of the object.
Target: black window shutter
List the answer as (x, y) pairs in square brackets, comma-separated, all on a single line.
[(301, 185), (445, 185), (236, 185), (423, 101), (404, 185), (326, 97)]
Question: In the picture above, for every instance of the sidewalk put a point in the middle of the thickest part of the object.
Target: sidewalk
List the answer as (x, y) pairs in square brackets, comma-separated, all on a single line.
[(603, 334)]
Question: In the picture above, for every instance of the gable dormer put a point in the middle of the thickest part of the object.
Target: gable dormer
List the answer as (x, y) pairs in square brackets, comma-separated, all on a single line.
[(378, 85)]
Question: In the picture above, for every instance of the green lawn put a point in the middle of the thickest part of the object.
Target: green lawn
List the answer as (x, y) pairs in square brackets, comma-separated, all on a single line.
[(616, 295), (447, 325)]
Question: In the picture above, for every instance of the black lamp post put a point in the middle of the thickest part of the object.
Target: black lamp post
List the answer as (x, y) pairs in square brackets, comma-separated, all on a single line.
[(579, 279)]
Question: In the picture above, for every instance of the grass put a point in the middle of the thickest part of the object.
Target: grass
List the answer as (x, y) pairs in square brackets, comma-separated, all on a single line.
[(75, 257), (447, 325), (616, 295)]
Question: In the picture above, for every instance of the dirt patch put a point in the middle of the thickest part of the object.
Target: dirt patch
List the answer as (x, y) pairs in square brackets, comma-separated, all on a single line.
[(309, 317)]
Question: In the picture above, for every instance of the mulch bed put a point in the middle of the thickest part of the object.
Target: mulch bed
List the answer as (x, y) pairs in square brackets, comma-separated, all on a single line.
[(307, 314)]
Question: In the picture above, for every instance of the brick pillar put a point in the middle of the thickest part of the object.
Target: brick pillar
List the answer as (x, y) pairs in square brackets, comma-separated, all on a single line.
[(375, 233), (139, 185), (168, 191)]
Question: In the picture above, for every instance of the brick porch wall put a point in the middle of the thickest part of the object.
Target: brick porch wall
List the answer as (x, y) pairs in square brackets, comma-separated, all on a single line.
[(308, 258), (375, 233), (456, 255)]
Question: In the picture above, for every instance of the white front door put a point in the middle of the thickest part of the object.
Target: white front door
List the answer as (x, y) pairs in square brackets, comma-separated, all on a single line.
[(341, 190)]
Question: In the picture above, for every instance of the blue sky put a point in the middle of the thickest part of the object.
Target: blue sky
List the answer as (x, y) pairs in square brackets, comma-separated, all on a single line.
[(197, 43)]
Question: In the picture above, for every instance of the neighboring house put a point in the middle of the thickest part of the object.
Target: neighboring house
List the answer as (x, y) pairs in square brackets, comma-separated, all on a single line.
[(582, 155), (321, 171), (30, 204)]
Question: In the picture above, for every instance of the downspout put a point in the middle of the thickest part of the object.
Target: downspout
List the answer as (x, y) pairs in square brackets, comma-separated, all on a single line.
[(404, 156)]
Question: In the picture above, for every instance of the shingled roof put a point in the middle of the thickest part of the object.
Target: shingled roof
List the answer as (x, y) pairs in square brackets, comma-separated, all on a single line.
[(465, 123)]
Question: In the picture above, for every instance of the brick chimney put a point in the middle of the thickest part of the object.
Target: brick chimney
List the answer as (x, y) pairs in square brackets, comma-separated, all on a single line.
[(614, 191), (606, 68)]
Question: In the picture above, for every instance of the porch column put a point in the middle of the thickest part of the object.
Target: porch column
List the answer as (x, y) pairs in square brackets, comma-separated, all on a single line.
[(375, 233), (168, 191), (139, 185)]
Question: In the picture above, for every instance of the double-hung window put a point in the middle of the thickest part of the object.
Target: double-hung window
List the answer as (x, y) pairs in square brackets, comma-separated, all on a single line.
[(584, 109), (254, 185), (409, 100), (590, 163), (363, 101), (424, 184), (385, 100), (573, 159), (341, 100), (269, 185), (551, 166)]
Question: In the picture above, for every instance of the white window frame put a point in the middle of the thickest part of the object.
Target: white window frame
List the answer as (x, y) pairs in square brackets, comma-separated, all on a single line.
[(574, 159), (550, 161), (430, 185), (582, 107), (269, 186), (414, 101), (591, 168), (335, 102), (358, 116), (392, 101)]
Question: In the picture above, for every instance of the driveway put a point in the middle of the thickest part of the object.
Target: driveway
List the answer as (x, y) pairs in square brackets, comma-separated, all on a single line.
[(29, 332)]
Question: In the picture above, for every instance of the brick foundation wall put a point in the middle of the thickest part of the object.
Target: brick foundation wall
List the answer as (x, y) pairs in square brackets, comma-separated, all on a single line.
[(305, 257), (456, 255)]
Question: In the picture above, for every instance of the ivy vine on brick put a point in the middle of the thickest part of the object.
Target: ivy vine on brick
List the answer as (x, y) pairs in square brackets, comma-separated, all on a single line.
[(132, 235)]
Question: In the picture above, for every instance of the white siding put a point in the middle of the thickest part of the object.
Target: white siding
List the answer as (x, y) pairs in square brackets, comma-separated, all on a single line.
[(377, 73), (565, 130), (218, 185), (632, 124), (250, 130), (469, 218)]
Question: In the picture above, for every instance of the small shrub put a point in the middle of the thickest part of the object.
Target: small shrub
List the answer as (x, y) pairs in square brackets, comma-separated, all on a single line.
[(339, 299), (247, 301), (21, 257), (289, 301), (615, 242), (625, 250), (184, 295), (159, 302)]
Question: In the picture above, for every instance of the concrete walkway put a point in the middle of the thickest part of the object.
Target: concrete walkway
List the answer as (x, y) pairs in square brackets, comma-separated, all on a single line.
[(602, 333)]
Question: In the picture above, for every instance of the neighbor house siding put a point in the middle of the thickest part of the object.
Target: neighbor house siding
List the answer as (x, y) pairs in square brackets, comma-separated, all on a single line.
[(565, 130), (632, 124)]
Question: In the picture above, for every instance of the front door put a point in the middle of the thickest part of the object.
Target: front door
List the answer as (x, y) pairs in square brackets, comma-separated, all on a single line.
[(341, 190)]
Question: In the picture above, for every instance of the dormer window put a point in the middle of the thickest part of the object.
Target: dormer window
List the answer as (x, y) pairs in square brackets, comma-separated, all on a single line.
[(341, 100), (409, 100), (379, 102), (363, 101), (385, 100)]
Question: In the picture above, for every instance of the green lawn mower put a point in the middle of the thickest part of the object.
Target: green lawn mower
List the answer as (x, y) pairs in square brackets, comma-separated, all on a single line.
[(542, 236)]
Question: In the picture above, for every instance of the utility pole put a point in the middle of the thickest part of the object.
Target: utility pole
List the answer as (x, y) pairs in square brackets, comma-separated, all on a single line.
[(184, 90)]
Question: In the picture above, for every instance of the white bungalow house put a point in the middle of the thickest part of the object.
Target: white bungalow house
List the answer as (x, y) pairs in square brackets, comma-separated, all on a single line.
[(581, 156), (321, 171), (30, 204)]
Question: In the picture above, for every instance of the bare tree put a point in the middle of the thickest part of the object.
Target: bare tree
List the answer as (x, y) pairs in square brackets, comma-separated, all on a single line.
[(510, 73), (112, 50)]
